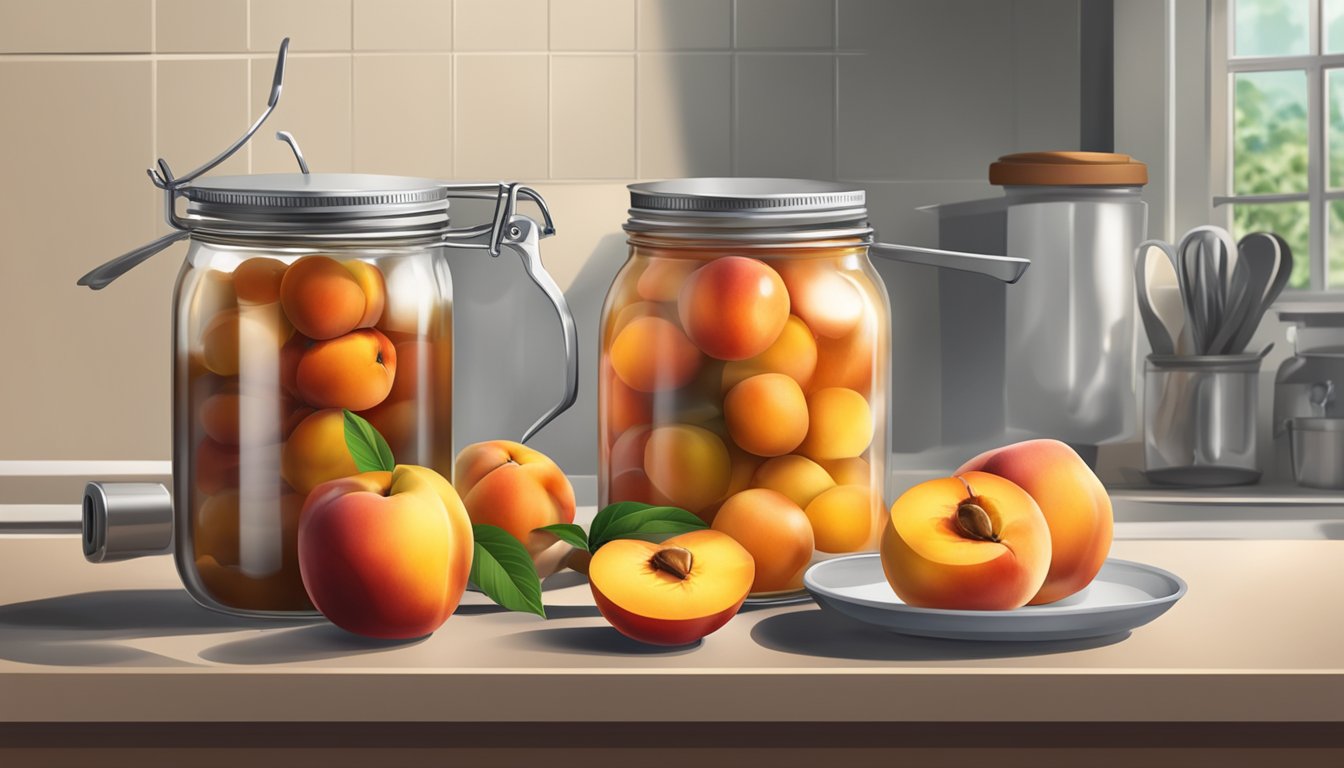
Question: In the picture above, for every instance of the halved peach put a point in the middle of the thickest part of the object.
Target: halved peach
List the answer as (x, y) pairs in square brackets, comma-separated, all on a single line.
[(671, 593), (971, 542)]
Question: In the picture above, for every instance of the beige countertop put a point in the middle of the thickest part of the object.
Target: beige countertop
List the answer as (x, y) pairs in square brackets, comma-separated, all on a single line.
[(1257, 638)]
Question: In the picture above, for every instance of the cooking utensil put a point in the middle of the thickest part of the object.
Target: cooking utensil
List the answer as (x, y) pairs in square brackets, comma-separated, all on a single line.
[(1202, 266), (1124, 595), (1269, 265), (1160, 302)]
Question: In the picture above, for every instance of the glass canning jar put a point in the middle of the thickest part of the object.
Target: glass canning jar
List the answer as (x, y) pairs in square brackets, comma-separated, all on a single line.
[(745, 365)]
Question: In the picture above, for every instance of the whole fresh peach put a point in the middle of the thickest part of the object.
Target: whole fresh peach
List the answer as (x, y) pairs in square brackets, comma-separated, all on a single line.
[(840, 424), (1075, 504), (354, 371), (509, 485), (689, 465), (733, 307), (386, 554), (257, 280), (971, 542)]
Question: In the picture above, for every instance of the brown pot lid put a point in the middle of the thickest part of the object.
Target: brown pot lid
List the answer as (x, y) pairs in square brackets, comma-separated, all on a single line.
[(1086, 169)]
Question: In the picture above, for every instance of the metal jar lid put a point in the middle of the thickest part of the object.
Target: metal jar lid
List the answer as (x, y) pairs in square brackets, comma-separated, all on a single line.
[(748, 209), (318, 204)]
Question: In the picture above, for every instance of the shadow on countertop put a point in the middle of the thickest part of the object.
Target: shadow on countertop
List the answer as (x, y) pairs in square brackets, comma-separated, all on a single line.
[(592, 641), (826, 635), (83, 629), (312, 643)]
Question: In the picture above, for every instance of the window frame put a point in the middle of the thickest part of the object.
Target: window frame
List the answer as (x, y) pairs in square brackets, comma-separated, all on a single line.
[(1222, 71)]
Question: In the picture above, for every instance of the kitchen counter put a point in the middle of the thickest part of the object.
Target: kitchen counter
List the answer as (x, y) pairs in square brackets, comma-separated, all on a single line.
[(1255, 641)]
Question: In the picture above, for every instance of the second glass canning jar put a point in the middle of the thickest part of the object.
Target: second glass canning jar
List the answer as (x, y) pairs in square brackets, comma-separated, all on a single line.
[(745, 361), (744, 378)]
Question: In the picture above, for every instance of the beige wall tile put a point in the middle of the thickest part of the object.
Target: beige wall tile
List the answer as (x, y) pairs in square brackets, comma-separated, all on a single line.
[(403, 115), (105, 26), (593, 117), (93, 380), (500, 25), (785, 115), (200, 26), (592, 25), (311, 25), (501, 117), (685, 114), (403, 25), (785, 23), (315, 107), (203, 108), (685, 24)]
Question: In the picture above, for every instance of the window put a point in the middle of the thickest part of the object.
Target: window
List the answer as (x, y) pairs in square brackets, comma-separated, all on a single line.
[(1283, 108)]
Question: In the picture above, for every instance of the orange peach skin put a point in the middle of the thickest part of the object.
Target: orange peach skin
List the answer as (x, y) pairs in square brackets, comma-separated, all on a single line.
[(651, 354), (1074, 502), (655, 607), (509, 485), (767, 414), (840, 424), (386, 554), (929, 564), (733, 307), (354, 371), (687, 464), (257, 280), (793, 354), (322, 298), (316, 452), (776, 533)]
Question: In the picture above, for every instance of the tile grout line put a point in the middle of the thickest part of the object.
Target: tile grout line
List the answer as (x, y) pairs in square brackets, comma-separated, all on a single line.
[(550, 87), (154, 92), (455, 88), (634, 118), (835, 87), (732, 90)]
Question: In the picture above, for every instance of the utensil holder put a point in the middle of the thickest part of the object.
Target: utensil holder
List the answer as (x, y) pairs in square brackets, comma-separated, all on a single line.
[(1200, 419)]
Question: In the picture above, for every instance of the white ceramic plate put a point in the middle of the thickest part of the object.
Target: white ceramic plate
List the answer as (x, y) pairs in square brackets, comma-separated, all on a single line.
[(1124, 595)]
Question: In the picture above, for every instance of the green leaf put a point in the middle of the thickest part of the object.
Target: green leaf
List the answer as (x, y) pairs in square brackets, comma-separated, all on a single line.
[(569, 533), (367, 447), (503, 570), (597, 530), (654, 520), (630, 519)]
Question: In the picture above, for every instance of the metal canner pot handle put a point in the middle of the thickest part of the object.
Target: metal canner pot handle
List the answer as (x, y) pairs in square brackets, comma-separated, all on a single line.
[(1008, 269)]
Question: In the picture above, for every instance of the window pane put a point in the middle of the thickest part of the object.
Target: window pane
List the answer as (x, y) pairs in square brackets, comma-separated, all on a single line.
[(1334, 128), (1287, 220), (1334, 277), (1271, 28), (1269, 141), (1332, 17)]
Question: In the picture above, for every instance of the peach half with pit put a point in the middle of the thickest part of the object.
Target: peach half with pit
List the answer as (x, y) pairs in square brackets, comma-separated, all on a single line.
[(971, 542), (673, 593)]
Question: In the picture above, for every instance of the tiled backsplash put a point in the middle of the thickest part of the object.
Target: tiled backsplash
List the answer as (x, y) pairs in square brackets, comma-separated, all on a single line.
[(578, 97)]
